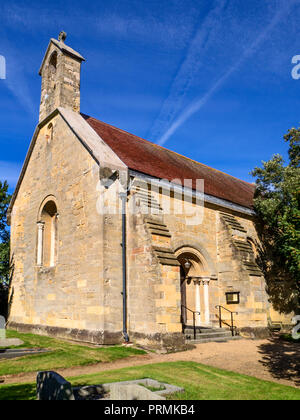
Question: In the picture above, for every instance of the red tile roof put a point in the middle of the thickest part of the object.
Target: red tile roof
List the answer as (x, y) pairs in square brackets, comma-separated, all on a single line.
[(146, 157)]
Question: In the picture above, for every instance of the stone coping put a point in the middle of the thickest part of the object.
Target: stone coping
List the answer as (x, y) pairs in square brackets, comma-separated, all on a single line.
[(8, 342), (15, 353), (52, 386), (127, 390)]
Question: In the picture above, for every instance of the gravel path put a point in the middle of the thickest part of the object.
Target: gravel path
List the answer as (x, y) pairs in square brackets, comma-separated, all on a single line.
[(272, 360)]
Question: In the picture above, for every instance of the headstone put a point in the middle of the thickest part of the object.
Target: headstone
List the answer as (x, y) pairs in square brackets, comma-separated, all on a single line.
[(53, 387), (2, 328)]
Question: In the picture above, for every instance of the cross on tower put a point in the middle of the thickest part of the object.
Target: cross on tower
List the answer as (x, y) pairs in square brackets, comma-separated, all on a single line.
[(62, 36)]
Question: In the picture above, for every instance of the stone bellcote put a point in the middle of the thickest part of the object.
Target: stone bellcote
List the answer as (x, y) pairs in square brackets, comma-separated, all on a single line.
[(60, 73)]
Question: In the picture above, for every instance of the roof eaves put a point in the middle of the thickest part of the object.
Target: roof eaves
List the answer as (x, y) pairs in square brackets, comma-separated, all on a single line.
[(207, 197)]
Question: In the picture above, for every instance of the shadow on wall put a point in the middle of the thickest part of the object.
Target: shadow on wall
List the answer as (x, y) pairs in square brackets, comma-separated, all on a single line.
[(282, 359)]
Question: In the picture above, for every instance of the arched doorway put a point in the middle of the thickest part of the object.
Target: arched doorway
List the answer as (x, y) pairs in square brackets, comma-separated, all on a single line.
[(194, 283)]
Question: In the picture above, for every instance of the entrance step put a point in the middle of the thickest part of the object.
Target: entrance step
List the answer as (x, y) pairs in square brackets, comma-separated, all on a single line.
[(210, 335), (215, 340), (203, 330), (206, 335)]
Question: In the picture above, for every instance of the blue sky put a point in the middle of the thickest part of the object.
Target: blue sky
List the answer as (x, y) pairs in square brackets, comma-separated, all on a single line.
[(209, 79)]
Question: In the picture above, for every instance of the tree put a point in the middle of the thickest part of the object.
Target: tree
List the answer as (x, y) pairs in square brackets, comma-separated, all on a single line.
[(277, 205), (4, 249)]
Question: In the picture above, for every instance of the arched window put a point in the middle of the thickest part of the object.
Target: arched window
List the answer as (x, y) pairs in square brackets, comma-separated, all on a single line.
[(49, 133), (52, 70), (53, 62), (47, 235)]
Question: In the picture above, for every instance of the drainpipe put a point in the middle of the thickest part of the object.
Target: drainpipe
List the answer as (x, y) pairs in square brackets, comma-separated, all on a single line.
[(123, 197)]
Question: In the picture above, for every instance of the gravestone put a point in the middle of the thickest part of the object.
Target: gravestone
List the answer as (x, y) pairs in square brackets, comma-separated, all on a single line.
[(7, 342), (53, 387), (2, 328)]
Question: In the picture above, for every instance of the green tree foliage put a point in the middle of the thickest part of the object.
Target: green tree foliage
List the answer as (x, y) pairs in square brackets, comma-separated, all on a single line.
[(4, 233), (4, 248), (277, 204)]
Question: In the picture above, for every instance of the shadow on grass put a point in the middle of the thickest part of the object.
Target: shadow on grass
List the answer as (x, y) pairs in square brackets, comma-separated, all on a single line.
[(199, 382), (282, 359), (18, 392)]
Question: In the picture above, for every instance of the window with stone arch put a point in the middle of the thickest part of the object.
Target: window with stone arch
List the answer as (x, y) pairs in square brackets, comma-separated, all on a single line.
[(53, 62), (53, 70), (49, 133), (47, 235)]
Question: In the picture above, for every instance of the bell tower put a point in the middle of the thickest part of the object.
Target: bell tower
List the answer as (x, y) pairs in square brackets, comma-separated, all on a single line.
[(60, 72)]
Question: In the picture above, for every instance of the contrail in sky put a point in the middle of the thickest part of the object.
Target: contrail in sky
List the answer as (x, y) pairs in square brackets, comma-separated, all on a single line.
[(197, 105), (188, 69)]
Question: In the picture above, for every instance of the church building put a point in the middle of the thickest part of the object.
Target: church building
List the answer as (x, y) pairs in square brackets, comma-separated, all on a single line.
[(114, 238)]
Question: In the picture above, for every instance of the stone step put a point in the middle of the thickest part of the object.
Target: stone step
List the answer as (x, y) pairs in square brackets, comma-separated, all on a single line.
[(209, 335), (150, 204), (160, 233), (206, 335), (215, 340), (225, 332), (201, 330), (149, 199)]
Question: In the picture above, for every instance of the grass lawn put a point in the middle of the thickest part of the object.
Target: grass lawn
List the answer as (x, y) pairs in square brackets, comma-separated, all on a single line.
[(62, 354), (288, 337), (200, 383)]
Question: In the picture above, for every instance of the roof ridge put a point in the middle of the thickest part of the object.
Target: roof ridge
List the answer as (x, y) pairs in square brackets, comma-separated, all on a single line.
[(164, 148)]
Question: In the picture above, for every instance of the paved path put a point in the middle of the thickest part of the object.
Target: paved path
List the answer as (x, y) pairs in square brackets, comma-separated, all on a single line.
[(272, 360)]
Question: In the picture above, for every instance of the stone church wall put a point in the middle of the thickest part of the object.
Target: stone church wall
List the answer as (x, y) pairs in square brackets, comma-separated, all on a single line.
[(77, 291), (67, 297), (80, 297)]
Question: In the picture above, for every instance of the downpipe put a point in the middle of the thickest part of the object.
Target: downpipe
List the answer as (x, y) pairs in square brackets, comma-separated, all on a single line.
[(123, 197)]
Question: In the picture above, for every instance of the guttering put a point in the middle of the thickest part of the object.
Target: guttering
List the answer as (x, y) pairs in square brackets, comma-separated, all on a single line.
[(123, 197), (193, 193)]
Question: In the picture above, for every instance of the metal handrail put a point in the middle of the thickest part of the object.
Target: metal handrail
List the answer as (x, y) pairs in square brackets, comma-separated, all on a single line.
[(232, 326), (194, 319)]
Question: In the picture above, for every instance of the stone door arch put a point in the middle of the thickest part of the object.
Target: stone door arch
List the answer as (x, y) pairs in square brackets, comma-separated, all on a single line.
[(195, 280)]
